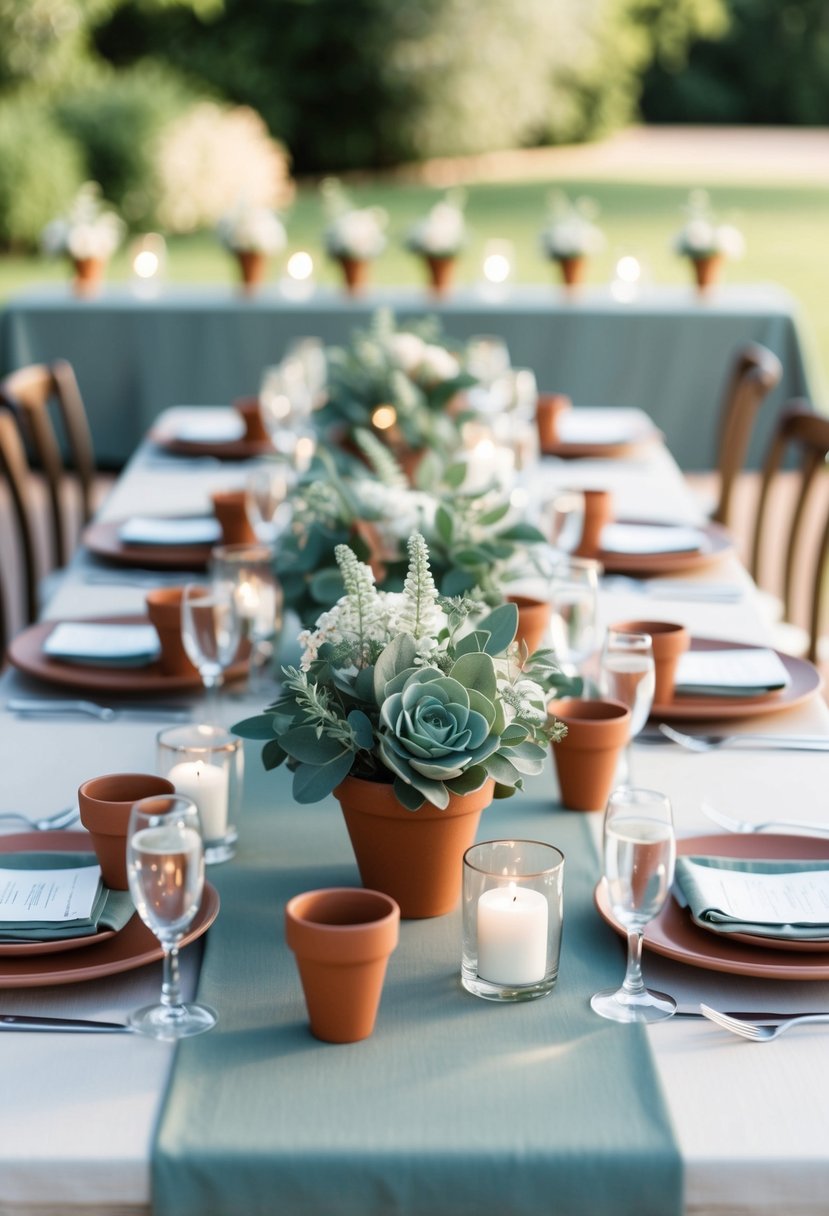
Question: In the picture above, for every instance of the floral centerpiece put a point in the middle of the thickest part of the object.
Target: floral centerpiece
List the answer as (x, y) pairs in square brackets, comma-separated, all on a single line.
[(705, 240), (252, 234), (354, 236), (398, 382), (422, 701), (439, 237), (89, 233), (571, 235)]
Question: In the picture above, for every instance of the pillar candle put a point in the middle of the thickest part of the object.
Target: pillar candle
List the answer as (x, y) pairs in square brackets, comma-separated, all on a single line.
[(208, 786), (512, 935)]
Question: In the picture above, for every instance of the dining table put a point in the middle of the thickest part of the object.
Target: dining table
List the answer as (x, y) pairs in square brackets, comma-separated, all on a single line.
[(454, 1105), (662, 348)]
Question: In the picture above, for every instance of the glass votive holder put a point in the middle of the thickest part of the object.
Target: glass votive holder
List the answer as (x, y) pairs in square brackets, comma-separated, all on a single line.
[(513, 902), (206, 763)]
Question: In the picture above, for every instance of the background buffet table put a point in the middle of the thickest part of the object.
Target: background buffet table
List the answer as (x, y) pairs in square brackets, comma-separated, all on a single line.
[(77, 1122), (665, 351)]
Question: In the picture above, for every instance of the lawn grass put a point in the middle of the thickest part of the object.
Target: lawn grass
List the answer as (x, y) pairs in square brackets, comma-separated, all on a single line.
[(783, 227)]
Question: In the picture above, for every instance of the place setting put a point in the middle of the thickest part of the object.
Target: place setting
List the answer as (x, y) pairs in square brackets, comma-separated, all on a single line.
[(222, 433), (591, 433)]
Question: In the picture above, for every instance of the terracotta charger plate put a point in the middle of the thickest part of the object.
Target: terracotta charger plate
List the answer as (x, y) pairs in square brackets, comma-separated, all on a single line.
[(617, 450), (134, 946), (804, 681), (673, 933), (226, 449), (26, 653), (718, 542), (103, 540)]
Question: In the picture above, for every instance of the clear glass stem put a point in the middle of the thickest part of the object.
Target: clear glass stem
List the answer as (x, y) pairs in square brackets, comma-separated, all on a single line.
[(212, 684), (633, 981), (171, 982)]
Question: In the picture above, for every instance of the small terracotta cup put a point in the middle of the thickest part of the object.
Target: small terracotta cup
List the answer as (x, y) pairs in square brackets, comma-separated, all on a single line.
[(587, 758), (164, 611), (598, 511), (533, 620), (248, 407), (342, 938), (105, 804), (670, 641), (549, 409), (230, 510)]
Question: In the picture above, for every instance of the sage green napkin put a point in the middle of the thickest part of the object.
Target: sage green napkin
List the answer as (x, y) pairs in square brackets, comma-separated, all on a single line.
[(693, 876), (111, 910)]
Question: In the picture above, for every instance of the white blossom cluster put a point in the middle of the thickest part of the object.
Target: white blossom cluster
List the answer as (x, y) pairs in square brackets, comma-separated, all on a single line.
[(571, 230), (441, 233), (703, 236), (423, 362), (248, 228), (380, 621), (90, 228), (396, 513)]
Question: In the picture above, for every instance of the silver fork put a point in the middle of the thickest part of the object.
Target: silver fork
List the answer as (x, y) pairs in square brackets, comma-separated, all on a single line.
[(746, 825), (758, 1034), (60, 819), (709, 743), (24, 707)]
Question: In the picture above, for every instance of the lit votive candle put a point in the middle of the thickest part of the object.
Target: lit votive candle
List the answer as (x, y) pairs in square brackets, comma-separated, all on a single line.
[(208, 786), (512, 935)]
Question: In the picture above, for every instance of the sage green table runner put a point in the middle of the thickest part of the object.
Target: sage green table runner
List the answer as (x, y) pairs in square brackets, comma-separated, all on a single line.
[(455, 1107)]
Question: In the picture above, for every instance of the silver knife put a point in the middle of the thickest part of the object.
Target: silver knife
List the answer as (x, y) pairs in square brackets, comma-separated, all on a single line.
[(104, 713), (19, 1021)]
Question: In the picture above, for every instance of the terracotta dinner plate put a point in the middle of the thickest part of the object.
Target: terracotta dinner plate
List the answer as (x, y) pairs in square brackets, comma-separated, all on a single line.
[(226, 449), (616, 450), (103, 540), (804, 681), (675, 935), (26, 653), (718, 542)]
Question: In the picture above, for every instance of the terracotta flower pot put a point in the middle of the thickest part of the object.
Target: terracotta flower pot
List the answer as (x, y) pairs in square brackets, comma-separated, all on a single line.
[(253, 267), (105, 804), (670, 641), (88, 275), (533, 620), (572, 270), (255, 430), (164, 611), (598, 511), (342, 938), (586, 759), (549, 409), (356, 273), (707, 270), (441, 272), (231, 512), (414, 856)]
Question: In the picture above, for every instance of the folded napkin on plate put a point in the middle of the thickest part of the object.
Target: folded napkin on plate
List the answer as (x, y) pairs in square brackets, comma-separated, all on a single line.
[(190, 530), (219, 426), (103, 645), (642, 539), (788, 900), (730, 673), (110, 909), (576, 426)]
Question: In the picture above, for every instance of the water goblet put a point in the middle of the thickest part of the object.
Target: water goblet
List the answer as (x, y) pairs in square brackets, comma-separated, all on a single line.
[(249, 569), (210, 633), (266, 494), (573, 590), (563, 520), (165, 871), (627, 673), (639, 852), (487, 357)]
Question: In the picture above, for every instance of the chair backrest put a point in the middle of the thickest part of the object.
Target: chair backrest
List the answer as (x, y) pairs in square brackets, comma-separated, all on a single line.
[(803, 434), (14, 467), (30, 391), (754, 372)]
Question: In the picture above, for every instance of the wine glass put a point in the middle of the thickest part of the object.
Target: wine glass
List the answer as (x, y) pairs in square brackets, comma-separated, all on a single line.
[(250, 571), (165, 870), (639, 850), (210, 633), (563, 520), (487, 357), (266, 494), (573, 591), (627, 674)]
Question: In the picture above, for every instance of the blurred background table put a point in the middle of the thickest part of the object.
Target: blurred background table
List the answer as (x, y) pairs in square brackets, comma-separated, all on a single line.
[(666, 350)]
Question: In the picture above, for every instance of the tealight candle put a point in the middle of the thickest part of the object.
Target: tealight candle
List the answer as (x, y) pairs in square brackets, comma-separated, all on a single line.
[(206, 763), (512, 935), (207, 785)]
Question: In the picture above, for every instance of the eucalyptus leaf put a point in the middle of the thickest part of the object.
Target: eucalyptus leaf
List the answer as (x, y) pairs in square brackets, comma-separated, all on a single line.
[(476, 671), (273, 755), (303, 744), (260, 727), (313, 781), (502, 625)]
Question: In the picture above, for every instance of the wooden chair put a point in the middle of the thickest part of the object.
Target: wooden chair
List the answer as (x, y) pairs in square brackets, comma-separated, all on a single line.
[(801, 437), (34, 393), (755, 371), (17, 477)]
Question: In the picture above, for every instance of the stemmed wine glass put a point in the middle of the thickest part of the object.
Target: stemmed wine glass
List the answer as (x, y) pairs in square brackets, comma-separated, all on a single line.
[(639, 850), (249, 569), (165, 870), (572, 590), (266, 494), (210, 633), (627, 674), (563, 520)]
